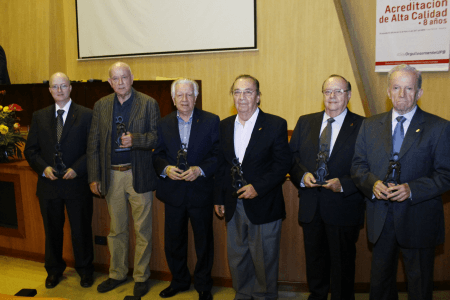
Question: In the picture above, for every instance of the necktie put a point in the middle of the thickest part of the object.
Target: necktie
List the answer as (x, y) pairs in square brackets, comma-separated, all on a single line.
[(59, 124), (397, 138), (325, 138)]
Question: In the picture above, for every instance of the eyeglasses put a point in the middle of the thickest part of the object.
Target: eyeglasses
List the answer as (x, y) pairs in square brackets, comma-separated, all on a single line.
[(247, 93), (117, 79), (336, 92), (62, 87)]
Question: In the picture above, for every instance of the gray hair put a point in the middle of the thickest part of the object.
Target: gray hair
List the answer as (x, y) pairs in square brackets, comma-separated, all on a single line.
[(349, 86), (183, 81), (119, 65), (406, 68)]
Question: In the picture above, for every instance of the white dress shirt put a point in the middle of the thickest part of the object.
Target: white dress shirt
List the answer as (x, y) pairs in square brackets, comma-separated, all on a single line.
[(66, 110), (242, 134)]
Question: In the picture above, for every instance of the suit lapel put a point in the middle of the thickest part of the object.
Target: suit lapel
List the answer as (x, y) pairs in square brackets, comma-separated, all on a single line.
[(194, 127), (228, 142), (415, 129), (107, 115), (174, 128), (385, 135), (258, 131), (316, 125), (71, 117), (347, 129), (51, 120), (137, 103)]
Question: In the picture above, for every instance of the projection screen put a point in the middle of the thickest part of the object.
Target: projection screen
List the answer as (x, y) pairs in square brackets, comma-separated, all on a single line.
[(111, 28)]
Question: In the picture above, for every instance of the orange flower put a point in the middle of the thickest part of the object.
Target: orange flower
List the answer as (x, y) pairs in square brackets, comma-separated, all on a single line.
[(16, 125)]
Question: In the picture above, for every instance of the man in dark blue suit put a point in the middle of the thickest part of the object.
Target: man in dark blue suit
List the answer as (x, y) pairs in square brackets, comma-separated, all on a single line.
[(331, 214), (254, 159), (404, 209), (56, 150), (186, 160)]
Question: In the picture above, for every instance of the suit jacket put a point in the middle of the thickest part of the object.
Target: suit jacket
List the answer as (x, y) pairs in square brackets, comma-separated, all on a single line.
[(341, 209), (142, 124), (425, 166), (202, 152), (40, 150), (265, 165)]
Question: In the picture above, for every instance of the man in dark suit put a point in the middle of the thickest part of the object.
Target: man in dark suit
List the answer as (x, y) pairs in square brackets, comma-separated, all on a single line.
[(186, 187), (332, 212), (405, 213), (122, 136), (56, 150), (254, 147)]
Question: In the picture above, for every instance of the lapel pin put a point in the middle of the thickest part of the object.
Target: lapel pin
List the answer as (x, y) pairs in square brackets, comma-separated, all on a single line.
[(260, 128), (198, 120), (417, 130), (351, 124)]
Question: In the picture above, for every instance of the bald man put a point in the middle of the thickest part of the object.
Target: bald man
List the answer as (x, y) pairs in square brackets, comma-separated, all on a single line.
[(122, 137), (56, 150)]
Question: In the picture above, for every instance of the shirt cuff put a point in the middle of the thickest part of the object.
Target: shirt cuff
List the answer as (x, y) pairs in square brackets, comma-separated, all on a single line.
[(302, 182), (164, 173)]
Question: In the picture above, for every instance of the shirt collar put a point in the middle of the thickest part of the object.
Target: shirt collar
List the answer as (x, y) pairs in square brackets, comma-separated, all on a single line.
[(66, 107), (252, 119), (128, 102), (181, 119), (339, 119), (408, 115)]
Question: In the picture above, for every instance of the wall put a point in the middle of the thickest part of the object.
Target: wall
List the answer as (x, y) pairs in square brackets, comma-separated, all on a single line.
[(435, 84), (300, 43)]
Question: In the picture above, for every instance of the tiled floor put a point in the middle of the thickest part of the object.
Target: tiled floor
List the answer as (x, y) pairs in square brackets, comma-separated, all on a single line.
[(16, 274)]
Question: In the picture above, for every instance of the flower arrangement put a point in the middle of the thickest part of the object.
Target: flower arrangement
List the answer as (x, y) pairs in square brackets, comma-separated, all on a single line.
[(10, 138)]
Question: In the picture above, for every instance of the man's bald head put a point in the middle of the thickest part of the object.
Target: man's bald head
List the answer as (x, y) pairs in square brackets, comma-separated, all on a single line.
[(58, 74)]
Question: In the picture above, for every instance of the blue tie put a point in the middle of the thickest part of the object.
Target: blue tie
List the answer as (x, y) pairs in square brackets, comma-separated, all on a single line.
[(397, 138)]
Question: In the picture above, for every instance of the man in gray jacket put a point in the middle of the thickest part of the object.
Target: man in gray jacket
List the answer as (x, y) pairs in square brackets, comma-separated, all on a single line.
[(122, 136)]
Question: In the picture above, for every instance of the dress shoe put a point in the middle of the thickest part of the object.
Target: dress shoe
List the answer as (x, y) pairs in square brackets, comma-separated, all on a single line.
[(52, 280), (109, 284), (206, 295), (141, 288), (170, 292), (87, 280)]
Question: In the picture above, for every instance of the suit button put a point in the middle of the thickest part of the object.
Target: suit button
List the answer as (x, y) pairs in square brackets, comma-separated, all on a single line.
[(386, 204)]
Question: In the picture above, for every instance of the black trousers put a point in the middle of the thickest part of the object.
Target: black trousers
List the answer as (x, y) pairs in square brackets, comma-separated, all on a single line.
[(176, 240), (80, 218), (419, 266), (330, 256)]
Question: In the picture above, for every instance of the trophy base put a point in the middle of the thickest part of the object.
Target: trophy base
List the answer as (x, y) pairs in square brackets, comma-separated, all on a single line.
[(122, 149)]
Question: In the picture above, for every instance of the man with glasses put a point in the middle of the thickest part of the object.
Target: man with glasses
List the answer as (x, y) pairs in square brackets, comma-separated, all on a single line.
[(254, 158), (121, 140), (56, 150), (331, 209), (186, 160), (405, 211)]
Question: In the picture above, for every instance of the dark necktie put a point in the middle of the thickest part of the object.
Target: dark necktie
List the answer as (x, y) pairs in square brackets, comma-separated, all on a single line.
[(59, 124), (397, 137), (325, 138)]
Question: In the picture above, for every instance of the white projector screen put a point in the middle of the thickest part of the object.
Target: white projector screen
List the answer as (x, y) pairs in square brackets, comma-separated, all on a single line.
[(111, 28)]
